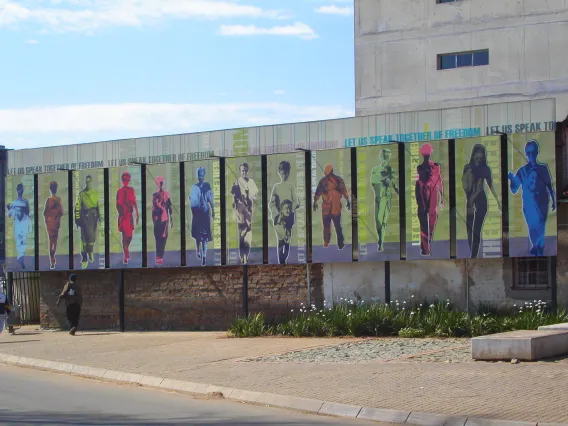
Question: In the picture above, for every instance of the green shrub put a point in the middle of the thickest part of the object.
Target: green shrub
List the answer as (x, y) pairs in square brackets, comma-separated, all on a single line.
[(410, 332), (406, 319)]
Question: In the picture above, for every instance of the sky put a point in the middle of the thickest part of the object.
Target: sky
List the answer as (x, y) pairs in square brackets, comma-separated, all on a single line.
[(75, 71)]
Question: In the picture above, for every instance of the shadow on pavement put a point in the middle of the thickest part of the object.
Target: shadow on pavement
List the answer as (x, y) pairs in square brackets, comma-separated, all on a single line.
[(19, 341), (87, 419)]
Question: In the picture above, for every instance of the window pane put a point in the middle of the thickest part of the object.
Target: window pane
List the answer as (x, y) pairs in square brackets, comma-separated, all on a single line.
[(481, 58), (465, 60), (447, 62), (446, 1)]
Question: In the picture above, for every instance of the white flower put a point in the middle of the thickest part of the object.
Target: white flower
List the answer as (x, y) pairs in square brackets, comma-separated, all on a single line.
[(404, 303), (412, 313), (514, 306), (412, 297), (421, 305), (397, 301), (291, 310)]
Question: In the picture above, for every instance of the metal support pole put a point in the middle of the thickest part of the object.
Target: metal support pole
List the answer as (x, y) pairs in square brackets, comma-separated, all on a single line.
[(308, 280), (245, 291), (553, 284), (121, 300), (387, 282)]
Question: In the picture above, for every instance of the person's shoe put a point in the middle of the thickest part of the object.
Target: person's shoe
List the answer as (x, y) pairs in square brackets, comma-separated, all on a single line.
[(84, 264), (91, 257), (159, 261), (73, 331), (125, 260), (341, 246), (326, 245), (203, 261)]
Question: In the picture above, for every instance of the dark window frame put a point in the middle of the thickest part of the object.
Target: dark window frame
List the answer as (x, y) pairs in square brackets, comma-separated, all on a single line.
[(468, 59), (528, 273), (445, 1)]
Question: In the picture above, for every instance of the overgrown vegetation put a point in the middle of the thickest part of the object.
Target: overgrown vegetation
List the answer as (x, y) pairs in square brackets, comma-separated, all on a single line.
[(404, 319)]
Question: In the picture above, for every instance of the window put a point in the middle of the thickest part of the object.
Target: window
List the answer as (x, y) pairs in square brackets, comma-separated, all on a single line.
[(446, 1), (531, 273), (463, 59)]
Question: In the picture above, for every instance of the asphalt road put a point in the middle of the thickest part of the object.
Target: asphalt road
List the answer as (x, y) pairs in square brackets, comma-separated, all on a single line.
[(40, 398)]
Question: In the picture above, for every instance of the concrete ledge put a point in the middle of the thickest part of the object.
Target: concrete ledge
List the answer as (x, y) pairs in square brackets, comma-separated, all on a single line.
[(151, 381), (292, 402), (525, 345), (392, 416), (197, 388), (472, 421), (171, 384), (59, 366), (131, 377), (80, 370), (244, 395), (342, 410), (113, 375), (552, 424), (427, 419), (221, 389), (561, 326)]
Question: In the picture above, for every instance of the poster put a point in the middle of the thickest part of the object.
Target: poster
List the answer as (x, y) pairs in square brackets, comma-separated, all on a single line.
[(378, 206), (478, 197), (88, 217), (53, 221), (203, 213), (20, 235), (163, 218), (331, 204), (125, 217), (244, 210), (427, 202), (286, 208), (532, 194)]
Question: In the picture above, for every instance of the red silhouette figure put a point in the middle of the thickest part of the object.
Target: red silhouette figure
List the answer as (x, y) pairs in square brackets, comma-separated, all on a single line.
[(429, 193), (126, 205)]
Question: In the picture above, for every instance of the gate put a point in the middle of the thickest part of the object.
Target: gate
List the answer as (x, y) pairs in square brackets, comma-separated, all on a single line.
[(23, 290)]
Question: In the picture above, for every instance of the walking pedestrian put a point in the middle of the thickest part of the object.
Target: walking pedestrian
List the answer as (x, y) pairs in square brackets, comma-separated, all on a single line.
[(73, 301), (5, 310)]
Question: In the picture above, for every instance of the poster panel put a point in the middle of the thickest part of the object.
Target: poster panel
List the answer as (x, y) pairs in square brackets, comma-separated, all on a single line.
[(331, 198), (89, 221), (532, 194), (478, 197), (427, 204), (378, 207), (20, 235), (286, 208), (203, 213), (125, 221), (243, 177), (53, 221), (163, 219)]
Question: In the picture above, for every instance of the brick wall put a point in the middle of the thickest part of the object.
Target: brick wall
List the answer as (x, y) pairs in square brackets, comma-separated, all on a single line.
[(181, 298), (100, 300)]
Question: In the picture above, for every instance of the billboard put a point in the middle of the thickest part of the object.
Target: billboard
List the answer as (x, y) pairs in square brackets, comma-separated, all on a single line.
[(88, 216), (478, 197), (378, 207), (20, 235), (203, 213), (286, 177), (532, 194), (427, 206), (125, 217), (53, 218), (331, 198), (243, 176), (163, 223)]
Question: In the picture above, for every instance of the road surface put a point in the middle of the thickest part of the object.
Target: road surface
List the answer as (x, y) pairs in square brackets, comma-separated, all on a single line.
[(42, 398)]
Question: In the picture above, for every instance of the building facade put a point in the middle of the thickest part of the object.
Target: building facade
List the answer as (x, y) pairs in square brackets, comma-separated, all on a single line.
[(447, 76)]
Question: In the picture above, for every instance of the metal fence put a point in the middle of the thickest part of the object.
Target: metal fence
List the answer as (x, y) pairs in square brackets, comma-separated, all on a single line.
[(23, 289)]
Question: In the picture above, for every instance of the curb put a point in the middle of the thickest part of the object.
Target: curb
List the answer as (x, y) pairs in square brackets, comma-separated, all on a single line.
[(262, 398)]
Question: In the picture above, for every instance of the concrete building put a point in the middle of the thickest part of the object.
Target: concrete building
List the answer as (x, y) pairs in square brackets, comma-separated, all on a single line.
[(425, 70), (414, 55)]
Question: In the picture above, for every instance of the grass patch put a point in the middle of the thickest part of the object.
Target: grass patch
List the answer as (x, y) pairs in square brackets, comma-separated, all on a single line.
[(404, 319)]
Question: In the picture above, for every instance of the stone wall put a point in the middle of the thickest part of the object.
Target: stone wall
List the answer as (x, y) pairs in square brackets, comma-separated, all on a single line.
[(100, 299), (181, 298)]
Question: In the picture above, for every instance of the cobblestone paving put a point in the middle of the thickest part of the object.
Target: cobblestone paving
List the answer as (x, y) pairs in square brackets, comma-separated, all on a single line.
[(424, 350)]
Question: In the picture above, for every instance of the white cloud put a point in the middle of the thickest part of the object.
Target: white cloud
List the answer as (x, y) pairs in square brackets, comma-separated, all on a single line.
[(335, 10), (90, 15), (298, 29), (45, 126), (32, 42), (279, 92)]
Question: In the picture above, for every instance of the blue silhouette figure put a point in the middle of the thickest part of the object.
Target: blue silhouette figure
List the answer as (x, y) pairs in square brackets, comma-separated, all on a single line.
[(536, 181)]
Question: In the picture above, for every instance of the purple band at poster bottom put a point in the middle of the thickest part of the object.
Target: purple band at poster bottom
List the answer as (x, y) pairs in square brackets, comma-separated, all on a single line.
[(255, 257), (99, 262), (491, 249), (212, 258), (61, 263), (521, 247), (321, 254), (293, 258), (439, 250), (117, 260), (391, 252), (171, 259)]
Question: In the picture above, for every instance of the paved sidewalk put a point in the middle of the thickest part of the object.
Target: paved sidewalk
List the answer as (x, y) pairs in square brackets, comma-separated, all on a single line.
[(533, 392)]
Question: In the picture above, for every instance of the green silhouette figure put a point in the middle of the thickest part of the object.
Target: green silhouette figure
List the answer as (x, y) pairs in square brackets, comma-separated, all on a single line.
[(383, 182)]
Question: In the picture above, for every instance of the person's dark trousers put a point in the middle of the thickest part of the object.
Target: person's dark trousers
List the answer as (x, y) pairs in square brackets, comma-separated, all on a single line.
[(327, 220), (73, 313)]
